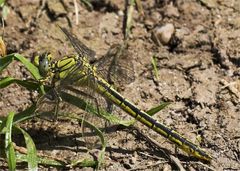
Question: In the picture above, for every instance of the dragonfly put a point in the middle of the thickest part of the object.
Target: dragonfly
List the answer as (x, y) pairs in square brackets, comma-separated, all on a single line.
[(77, 70)]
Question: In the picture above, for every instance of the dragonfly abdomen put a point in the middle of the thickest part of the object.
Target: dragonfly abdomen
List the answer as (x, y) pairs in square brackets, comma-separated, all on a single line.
[(108, 92)]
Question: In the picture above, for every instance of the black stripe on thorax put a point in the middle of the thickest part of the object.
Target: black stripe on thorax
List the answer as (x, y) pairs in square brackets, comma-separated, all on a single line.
[(58, 68)]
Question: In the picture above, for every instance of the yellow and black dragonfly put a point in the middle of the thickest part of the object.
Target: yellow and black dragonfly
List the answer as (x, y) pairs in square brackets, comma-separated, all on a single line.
[(76, 70)]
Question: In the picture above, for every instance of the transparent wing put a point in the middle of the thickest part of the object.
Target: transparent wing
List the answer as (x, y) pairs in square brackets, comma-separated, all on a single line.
[(80, 48), (67, 99), (70, 83), (116, 66), (91, 107)]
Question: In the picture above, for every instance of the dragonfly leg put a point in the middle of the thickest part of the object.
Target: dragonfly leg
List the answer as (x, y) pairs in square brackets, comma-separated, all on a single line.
[(58, 99)]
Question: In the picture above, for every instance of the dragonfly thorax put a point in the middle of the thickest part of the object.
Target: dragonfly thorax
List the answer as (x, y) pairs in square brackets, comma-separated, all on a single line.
[(73, 70)]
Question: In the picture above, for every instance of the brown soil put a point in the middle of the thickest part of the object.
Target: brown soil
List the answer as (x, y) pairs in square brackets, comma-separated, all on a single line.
[(198, 73)]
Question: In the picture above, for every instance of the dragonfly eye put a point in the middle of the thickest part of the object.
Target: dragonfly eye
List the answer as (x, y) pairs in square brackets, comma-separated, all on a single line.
[(44, 62)]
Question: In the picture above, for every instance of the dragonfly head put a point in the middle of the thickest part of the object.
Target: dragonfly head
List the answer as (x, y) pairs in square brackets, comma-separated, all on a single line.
[(43, 62)]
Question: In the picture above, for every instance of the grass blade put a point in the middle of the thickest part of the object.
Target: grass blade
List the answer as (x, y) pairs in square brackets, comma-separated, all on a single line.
[(99, 134), (156, 109), (4, 62), (155, 69), (2, 2), (129, 19), (41, 160), (29, 84), (26, 114), (9, 149), (31, 151), (30, 67)]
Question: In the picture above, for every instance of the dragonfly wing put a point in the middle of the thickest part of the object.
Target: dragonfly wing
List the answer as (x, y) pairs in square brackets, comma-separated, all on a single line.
[(80, 48), (116, 66), (93, 102), (89, 106)]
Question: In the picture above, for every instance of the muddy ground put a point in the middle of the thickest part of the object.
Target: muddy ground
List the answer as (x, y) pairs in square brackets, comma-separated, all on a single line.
[(198, 72)]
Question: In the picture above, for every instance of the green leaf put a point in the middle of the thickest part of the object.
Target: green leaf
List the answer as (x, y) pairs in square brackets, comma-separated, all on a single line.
[(5, 12), (88, 4), (3, 125), (154, 110), (26, 114), (30, 67), (29, 84), (155, 69), (104, 144), (11, 156), (41, 160), (9, 149), (2, 2), (19, 117), (31, 151), (5, 61), (85, 163)]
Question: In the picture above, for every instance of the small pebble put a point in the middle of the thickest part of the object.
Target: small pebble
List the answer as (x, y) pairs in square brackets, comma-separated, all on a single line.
[(149, 23), (171, 11), (120, 13), (164, 33)]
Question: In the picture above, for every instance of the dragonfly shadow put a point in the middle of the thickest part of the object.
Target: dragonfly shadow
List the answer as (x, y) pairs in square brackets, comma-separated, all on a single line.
[(156, 149), (153, 148), (51, 139)]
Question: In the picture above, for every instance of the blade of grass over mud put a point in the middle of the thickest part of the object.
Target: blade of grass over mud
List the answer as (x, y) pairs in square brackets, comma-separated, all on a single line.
[(99, 134), (19, 117), (2, 2), (9, 149), (139, 7), (11, 157), (156, 109), (88, 4), (41, 160), (28, 84), (5, 61), (26, 114), (129, 19), (155, 69), (30, 67), (85, 163), (78, 102), (31, 151)]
